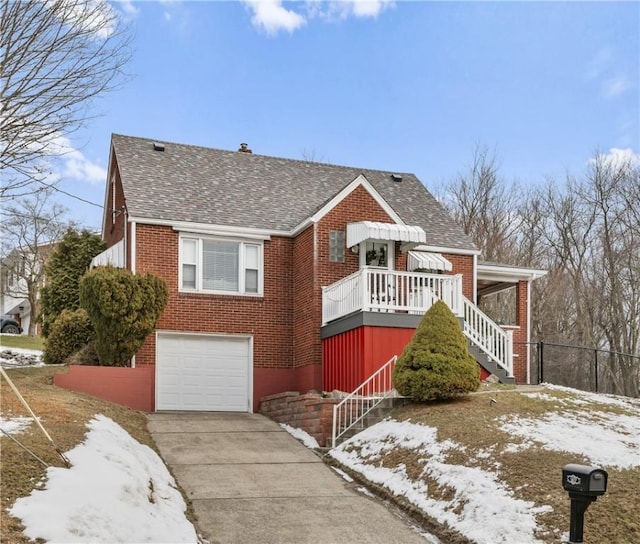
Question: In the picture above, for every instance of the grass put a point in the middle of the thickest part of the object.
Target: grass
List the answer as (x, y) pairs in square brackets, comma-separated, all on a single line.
[(533, 474), (21, 341), (64, 415)]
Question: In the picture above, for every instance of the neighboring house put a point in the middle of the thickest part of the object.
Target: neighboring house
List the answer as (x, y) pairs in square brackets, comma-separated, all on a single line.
[(289, 275), (21, 279)]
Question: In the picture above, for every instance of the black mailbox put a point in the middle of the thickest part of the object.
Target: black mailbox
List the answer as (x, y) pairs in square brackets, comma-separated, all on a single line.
[(584, 480), (584, 484)]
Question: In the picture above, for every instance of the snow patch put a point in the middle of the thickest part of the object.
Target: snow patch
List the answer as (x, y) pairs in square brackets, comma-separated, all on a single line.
[(301, 435), (117, 490), (14, 425), (483, 508)]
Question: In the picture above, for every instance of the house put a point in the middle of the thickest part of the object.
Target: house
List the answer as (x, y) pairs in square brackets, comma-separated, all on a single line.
[(21, 279), (289, 275)]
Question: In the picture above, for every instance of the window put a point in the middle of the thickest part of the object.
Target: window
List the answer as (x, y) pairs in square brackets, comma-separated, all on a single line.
[(336, 246), (225, 266), (376, 254)]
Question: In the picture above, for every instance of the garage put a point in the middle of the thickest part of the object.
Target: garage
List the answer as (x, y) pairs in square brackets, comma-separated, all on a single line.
[(202, 372)]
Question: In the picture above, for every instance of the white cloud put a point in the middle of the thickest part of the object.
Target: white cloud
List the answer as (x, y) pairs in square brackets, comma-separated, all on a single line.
[(97, 17), (368, 8), (606, 70), (272, 16), (128, 9), (617, 158), (615, 86), (72, 163)]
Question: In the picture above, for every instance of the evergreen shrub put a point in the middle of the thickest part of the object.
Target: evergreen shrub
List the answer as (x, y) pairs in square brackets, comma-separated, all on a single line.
[(124, 309), (436, 363), (71, 331)]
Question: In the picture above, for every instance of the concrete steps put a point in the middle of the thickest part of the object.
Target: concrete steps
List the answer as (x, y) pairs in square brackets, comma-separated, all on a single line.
[(375, 416)]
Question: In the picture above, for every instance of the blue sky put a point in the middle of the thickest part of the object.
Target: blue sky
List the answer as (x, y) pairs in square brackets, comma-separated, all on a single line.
[(404, 86)]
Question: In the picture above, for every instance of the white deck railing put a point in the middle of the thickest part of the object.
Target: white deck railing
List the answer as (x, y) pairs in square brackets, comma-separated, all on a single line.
[(113, 256), (355, 406), (376, 290), (489, 337)]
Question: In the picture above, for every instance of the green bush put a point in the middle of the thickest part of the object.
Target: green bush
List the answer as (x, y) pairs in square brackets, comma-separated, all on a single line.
[(436, 363), (65, 266), (70, 332), (124, 309)]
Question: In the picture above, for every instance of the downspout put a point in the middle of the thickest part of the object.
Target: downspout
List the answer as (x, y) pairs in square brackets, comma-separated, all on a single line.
[(528, 338), (133, 247), (475, 279), (133, 267)]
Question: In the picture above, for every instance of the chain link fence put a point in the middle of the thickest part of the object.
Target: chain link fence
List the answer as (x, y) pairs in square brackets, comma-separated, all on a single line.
[(588, 369)]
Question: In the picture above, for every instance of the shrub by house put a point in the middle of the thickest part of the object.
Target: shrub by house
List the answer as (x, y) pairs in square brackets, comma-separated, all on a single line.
[(436, 363), (124, 309)]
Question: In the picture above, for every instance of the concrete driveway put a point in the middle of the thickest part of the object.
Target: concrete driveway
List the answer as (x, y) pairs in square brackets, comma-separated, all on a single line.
[(251, 482)]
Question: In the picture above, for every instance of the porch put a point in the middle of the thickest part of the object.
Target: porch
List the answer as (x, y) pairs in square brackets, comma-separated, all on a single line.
[(402, 298), (390, 291)]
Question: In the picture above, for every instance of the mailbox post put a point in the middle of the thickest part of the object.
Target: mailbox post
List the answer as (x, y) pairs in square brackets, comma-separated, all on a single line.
[(584, 484)]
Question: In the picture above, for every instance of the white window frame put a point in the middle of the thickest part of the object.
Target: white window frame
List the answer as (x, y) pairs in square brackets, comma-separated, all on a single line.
[(200, 239), (391, 257)]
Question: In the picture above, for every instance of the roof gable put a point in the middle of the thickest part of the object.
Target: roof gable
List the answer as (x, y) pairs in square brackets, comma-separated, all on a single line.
[(194, 184)]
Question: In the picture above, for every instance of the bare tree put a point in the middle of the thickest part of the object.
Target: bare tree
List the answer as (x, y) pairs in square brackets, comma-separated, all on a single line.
[(30, 227), (485, 207), (56, 57)]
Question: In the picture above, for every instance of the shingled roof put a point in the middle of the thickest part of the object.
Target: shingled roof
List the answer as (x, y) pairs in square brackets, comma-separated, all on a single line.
[(203, 185)]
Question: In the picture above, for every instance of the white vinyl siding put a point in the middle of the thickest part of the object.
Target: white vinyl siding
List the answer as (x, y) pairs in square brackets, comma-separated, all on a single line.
[(220, 266)]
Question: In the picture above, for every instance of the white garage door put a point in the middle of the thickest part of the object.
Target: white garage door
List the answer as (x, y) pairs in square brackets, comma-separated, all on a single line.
[(202, 372)]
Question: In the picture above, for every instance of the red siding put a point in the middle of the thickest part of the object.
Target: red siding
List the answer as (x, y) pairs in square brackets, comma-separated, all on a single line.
[(343, 360), (352, 356)]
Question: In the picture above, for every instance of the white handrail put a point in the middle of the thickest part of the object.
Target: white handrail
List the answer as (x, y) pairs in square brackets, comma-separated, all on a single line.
[(378, 290), (355, 406), (488, 336)]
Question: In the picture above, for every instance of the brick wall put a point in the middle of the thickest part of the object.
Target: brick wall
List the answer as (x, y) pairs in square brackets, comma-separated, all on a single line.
[(520, 349), (309, 412), (463, 264), (269, 319)]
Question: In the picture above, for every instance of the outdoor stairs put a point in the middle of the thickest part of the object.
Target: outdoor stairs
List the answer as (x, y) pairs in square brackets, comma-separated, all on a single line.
[(490, 366), (485, 361), (380, 412)]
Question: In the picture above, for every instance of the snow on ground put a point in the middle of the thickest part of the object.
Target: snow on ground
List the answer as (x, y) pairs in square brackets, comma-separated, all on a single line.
[(617, 444), (14, 357), (117, 490), (483, 509), (301, 435), (14, 425)]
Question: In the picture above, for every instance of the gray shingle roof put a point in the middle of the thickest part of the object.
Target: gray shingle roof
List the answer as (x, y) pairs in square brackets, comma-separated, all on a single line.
[(203, 185)]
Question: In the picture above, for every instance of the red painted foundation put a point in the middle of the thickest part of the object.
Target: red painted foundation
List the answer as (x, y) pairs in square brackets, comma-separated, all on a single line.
[(132, 387)]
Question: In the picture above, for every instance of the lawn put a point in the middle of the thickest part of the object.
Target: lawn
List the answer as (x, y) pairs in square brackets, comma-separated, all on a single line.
[(488, 462), (64, 415), (21, 341)]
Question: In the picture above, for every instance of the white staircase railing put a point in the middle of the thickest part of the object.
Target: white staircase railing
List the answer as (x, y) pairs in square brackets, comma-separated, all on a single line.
[(496, 343), (355, 406)]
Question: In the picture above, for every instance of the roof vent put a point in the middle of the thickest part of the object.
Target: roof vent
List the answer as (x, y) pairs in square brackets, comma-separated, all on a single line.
[(396, 177), (244, 148), (158, 146)]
